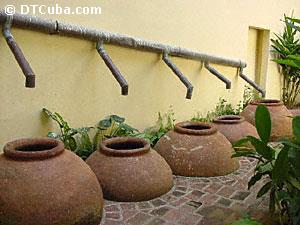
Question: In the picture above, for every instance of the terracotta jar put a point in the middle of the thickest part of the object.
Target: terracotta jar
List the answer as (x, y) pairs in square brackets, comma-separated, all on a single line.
[(129, 170), (41, 183), (234, 127), (280, 117), (197, 149)]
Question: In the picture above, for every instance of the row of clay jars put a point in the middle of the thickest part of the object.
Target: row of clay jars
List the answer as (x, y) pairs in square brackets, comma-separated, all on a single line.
[(235, 127), (46, 184), (127, 169), (197, 149)]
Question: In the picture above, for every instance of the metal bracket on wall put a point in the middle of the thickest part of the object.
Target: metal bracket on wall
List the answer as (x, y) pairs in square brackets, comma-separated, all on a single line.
[(218, 75), (112, 67), (178, 73), (19, 56), (252, 83)]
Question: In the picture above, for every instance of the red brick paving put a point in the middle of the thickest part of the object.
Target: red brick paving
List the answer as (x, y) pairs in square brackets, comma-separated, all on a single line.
[(195, 201)]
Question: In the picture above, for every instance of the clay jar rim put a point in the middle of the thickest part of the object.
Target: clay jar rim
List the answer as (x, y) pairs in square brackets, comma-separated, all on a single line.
[(33, 148), (195, 128), (117, 146), (229, 119), (267, 102)]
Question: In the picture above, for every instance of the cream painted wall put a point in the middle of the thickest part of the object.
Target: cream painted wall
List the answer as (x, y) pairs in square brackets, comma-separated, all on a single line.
[(73, 80)]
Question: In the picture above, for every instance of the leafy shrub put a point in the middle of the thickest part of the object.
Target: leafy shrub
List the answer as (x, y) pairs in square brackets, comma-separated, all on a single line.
[(286, 47), (115, 127), (224, 108), (249, 95), (164, 124), (79, 140), (279, 165)]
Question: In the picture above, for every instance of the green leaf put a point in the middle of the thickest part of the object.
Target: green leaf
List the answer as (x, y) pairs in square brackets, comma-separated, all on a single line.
[(294, 26), (240, 142), (294, 158), (290, 144), (127, 128), (293, 19), (246, 153), (118, 119), (53, 135), (106, 123), (246, 222), (254, 179), (294, 182), (265, 168), (49, 113), (61, 120), (295, 57), (71, 131), (281, 167), (262, 148), (282, 195), (264, 189), (263, 123), (71, 143), (296, 127), (287, 62)]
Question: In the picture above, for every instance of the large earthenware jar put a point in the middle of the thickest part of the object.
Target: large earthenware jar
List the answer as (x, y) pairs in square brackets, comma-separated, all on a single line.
[(41, 183), (129, 170), (197, 149), (234, 127), (280, 117), (295, 111)]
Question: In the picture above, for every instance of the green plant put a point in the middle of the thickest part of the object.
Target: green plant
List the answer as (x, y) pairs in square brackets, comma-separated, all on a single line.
[(114, 126), (246, 221), (164, 123), (280, 167), (249, 94), (66, 132), (76, 140), (79, 140), (286, 48), (224, 108)]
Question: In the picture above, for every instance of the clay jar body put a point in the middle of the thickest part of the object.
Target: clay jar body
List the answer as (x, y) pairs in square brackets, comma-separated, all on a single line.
[(280, 117), (295, 111), (43, 184), (234, 128), (129, 170), (197, 149)]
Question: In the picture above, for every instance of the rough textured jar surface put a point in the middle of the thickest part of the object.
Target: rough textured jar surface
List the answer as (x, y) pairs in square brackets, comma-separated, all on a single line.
[(197, 149), (295, 111), (280, 117), (129, 170), (41, 183), (234, 127)]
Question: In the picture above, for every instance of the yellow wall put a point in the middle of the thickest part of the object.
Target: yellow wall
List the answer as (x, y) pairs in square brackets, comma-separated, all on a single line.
[(73, 80)]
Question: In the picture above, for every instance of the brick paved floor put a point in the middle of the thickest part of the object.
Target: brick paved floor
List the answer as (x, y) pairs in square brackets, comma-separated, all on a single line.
[(199, 201)]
